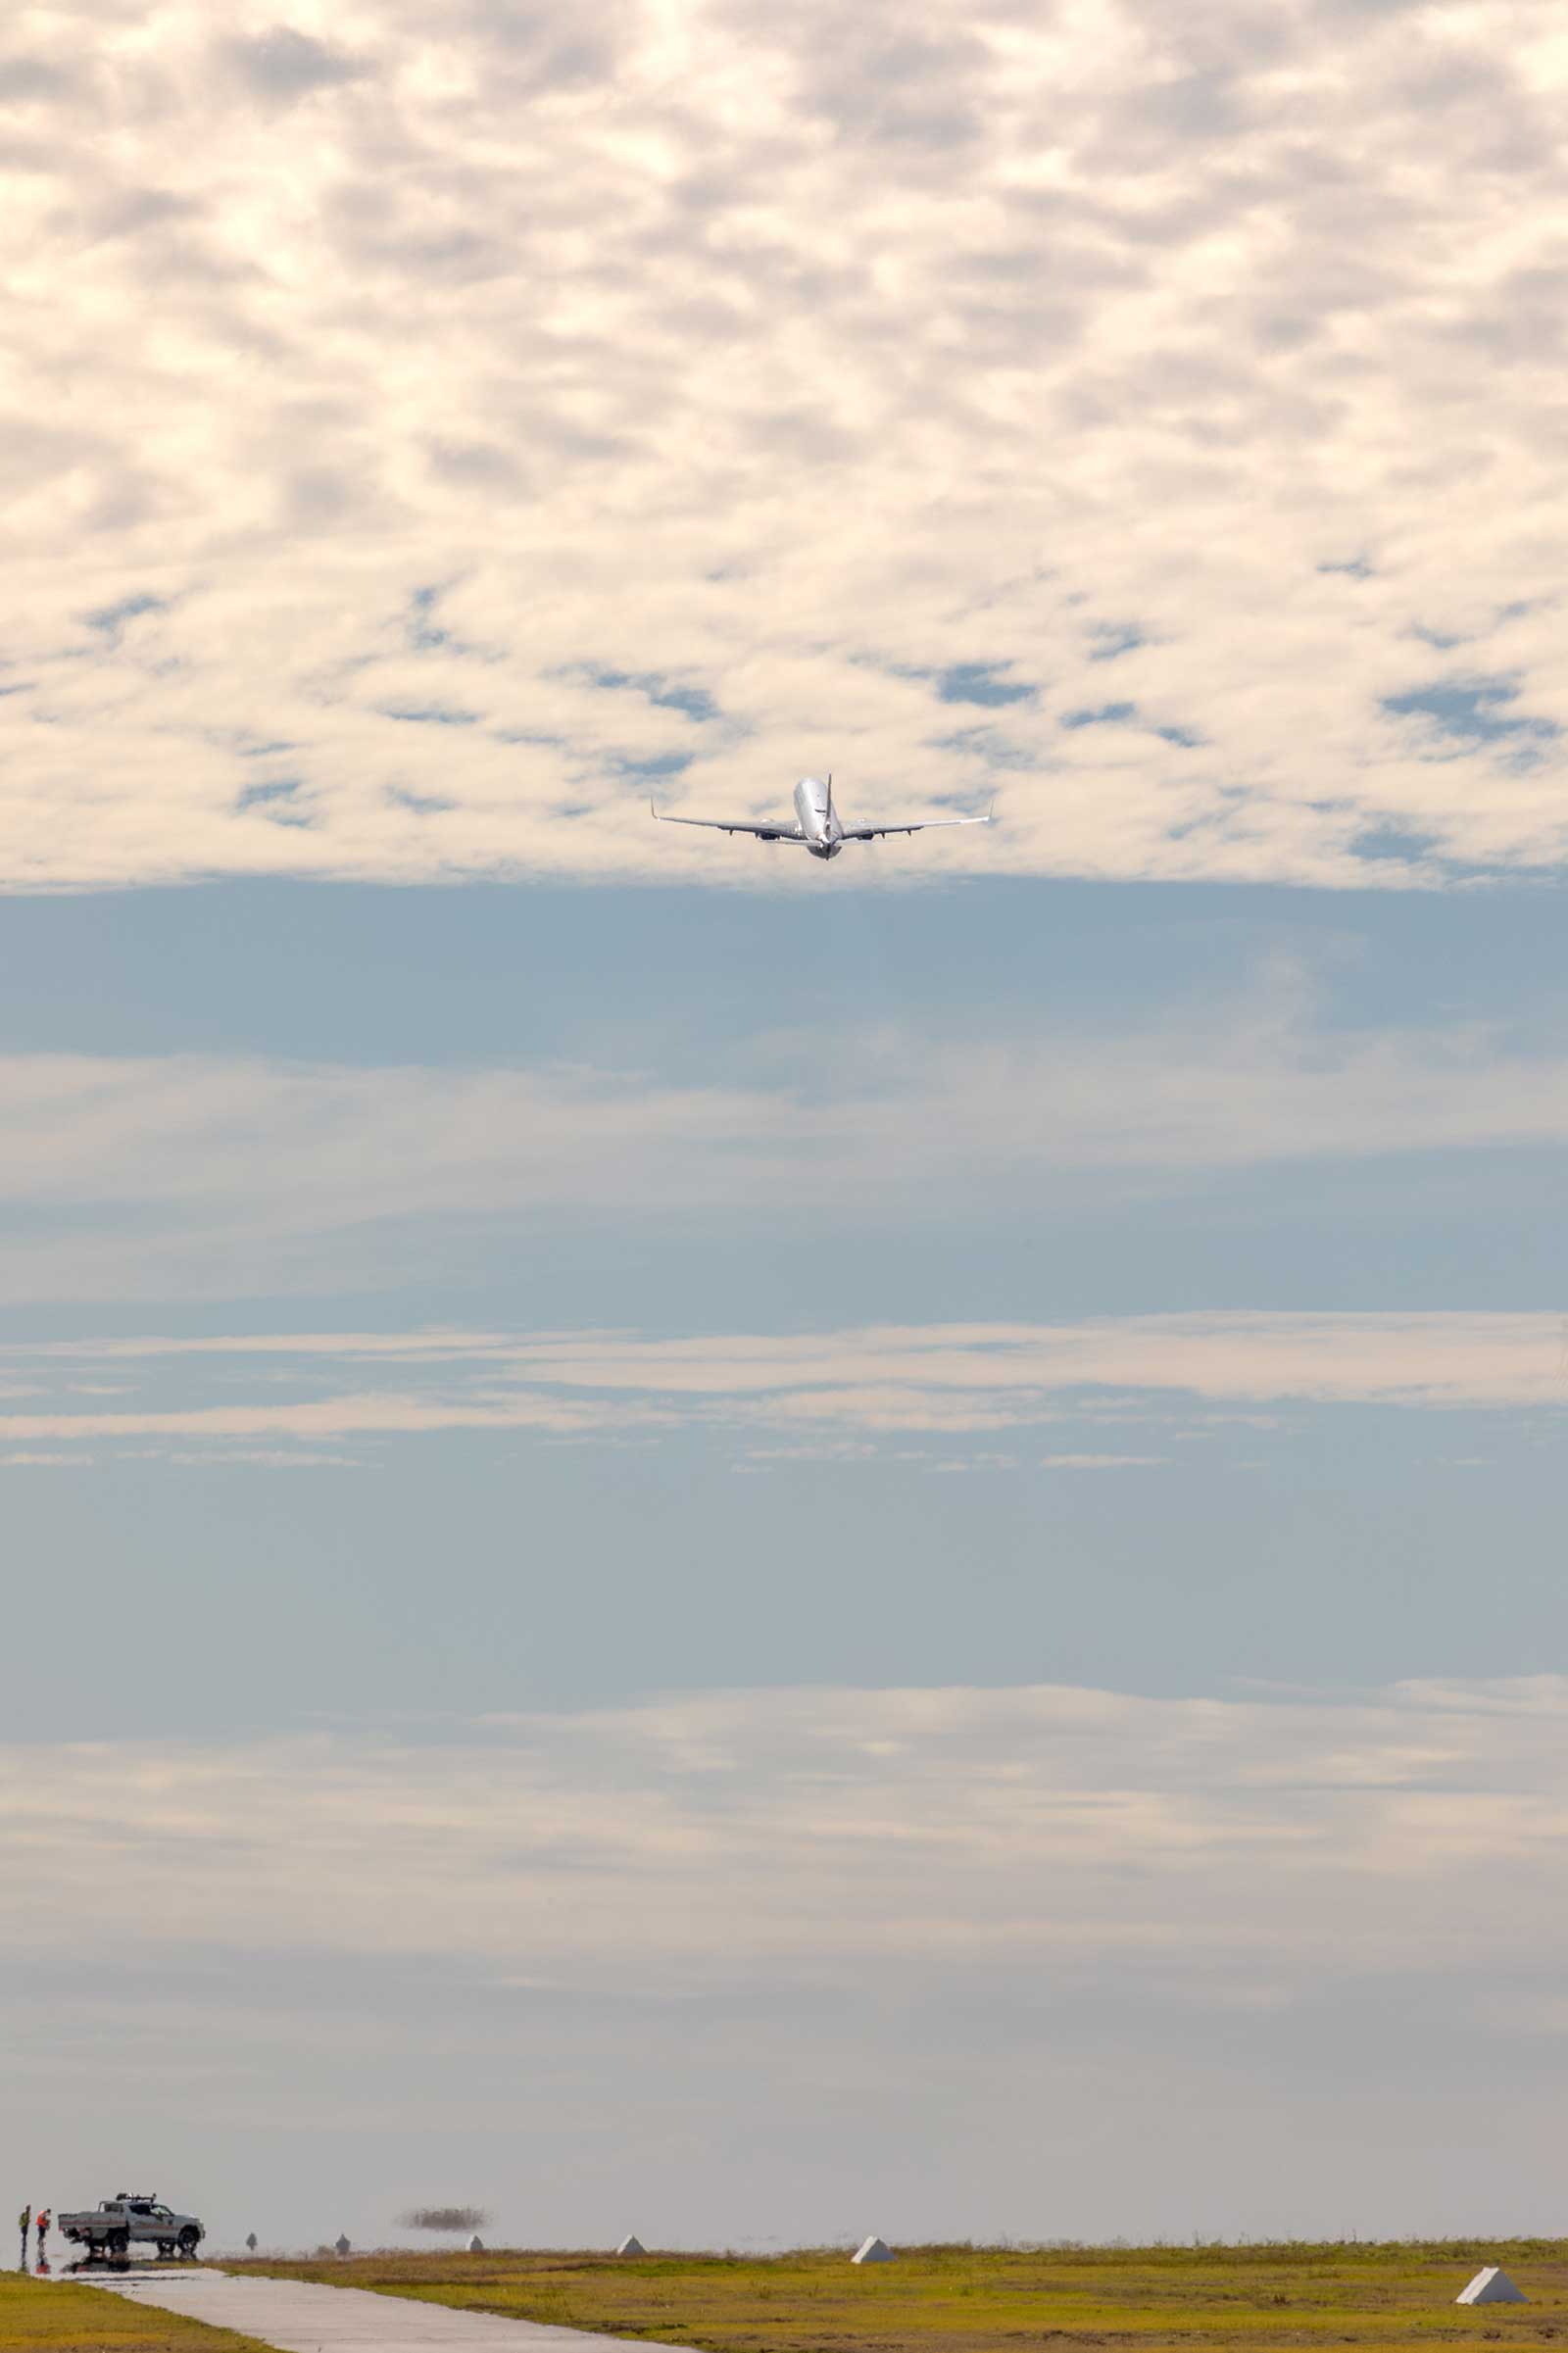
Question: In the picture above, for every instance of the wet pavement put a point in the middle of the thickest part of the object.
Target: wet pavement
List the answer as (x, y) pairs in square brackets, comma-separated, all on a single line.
[(299, 2316)]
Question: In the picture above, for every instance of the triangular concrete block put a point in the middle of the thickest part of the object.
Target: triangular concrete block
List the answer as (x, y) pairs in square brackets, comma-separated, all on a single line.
[(1491, 2287), (875, 2250), (476, 2244), (631, 2246)]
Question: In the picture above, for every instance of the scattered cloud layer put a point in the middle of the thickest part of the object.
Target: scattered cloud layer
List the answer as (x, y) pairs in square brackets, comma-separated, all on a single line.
[(162, 1176), (1033, 1960), (1224, 1848), (951, 1381), (423, 439)]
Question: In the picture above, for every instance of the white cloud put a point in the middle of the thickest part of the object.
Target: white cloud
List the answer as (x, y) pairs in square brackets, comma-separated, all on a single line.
[(802, 1836), (839, 1388), (160, 1176), (417, 433), (1104, 1462), (985, 1959)]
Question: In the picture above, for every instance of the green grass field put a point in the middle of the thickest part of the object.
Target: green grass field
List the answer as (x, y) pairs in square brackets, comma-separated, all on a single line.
[(963, 2299), (57, 2317)]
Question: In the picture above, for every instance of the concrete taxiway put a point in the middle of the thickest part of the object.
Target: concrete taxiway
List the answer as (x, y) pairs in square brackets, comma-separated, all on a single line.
[(298, 2316)]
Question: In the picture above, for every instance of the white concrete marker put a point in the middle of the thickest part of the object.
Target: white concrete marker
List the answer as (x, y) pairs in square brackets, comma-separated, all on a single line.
[(304, 2315), (1491, 2287), (875, 2250), (631, 2246)]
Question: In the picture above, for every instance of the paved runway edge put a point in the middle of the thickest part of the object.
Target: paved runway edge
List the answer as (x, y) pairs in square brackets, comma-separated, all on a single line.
[(301, 2316)]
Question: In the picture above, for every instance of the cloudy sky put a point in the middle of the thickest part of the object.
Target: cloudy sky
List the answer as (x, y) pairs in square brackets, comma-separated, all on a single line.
[(756, 1553)]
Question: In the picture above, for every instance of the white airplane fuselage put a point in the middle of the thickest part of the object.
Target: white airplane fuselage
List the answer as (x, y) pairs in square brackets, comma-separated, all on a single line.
[(817, 818)]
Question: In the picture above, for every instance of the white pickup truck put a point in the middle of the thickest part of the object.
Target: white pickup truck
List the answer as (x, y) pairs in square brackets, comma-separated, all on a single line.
[(109, 2228)]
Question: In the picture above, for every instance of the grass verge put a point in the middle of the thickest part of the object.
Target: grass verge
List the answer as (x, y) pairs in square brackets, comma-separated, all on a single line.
[(56, 2316), (963, 2299)]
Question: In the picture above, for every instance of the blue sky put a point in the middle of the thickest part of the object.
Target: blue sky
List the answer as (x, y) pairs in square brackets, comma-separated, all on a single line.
[(735, 1549), (1242, 1398)]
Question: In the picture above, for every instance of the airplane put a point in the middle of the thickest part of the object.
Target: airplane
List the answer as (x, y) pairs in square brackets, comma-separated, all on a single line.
[(817, 825)]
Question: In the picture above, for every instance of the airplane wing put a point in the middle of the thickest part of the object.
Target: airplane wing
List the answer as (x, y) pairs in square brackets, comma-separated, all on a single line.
[(869, 833), (763, 833)]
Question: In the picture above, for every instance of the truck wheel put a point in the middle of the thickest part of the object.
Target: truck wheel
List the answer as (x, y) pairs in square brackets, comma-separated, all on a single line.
[(189, 2241), (118, 2242)]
